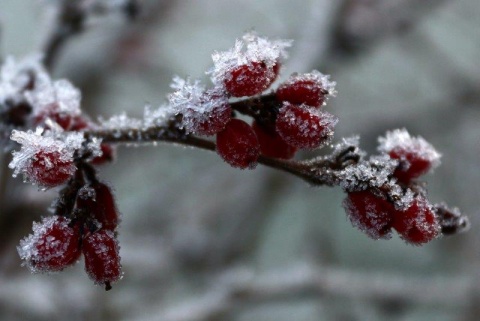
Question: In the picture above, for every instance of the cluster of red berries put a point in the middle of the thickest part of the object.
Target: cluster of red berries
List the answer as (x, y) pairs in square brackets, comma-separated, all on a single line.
[(291, 120), (58, 241), (376, 214)]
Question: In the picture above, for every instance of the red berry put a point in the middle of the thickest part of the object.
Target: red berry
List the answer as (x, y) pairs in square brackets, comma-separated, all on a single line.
[(50, 168), (412, 165), (415, 155), (102, 257), (271, 144), (212, 116), (53, 112), (53, 246), (100, 205), (304, 127), (249, 79), (107, 155), (308, 92), (369, 213), (418, 224), (310, 89), (238, 145)]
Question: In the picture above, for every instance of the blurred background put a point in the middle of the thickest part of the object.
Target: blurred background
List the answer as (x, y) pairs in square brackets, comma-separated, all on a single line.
[(203, 241)]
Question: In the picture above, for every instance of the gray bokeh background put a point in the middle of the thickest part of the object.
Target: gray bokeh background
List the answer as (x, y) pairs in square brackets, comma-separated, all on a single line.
[(193, 226)]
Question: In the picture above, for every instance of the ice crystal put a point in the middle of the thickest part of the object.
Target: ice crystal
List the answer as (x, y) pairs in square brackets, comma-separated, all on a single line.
[(157, 117), (251, 48), (39, 141), (316, 77), (119, 122), (401, 139)]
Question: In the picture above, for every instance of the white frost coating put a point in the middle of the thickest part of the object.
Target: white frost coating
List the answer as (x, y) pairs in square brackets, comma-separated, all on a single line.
[(400, 139), (40, 141), (16, 75), (39, 248), (60, 94), (317, 77), (195, 103), (118, 122), (251, 48), (157, 117), (370, 173)]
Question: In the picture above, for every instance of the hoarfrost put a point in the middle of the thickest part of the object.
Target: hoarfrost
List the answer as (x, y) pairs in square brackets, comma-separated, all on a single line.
[(120, 122), (317, 77), (39, 248), (47, 142), (157, 117), (196, 104), (251, 48), (401, 139)]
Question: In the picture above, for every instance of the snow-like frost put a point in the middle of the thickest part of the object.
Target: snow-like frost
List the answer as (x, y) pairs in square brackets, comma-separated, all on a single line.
[(251, 48), (119, 122), (38, 249), (317, 77), (401, 139), (157, 117), (46, 142)]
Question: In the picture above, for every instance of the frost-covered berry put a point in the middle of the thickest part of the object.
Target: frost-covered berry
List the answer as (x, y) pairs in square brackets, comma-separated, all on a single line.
[(249, 79), (238, 145), (304, 127), (53, 246), (271, 144), (370, 214), (415, 155), (250, 67), (97, 201), (204, 112), (102, 257), (45, 160), (57, 101), (311, 89), (49, 168), (418, 224)]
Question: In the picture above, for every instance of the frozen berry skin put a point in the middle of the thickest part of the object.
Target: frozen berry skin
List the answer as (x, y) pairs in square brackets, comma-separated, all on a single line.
[(49, 168), (102, 258), (100, 205), (271, 144), (238, 145), (303, 126), (53, 246), (53, 112), (249, 79), (418, 224), (302, 91), (370, 214), (108, 154), (212, 117), (411, 165)]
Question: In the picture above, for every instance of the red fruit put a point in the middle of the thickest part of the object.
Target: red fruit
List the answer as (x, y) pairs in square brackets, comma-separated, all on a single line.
[(418, 224), (53, 112), (302, 91), (250, 79), (100, 205), (271, 144), (107, 155), (412, 165), (371, 214), (212, 116), (53, 246), (238, 145), (304, 127), (102, 257), (50, 168)]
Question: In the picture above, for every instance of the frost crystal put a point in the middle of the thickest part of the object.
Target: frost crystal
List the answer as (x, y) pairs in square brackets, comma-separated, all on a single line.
[(59, 97), (157, 117), (200, 108), (316, 77), (16, 76), (119, 122), (374, 172), (401, 139), (251, 48), (40, 143)]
